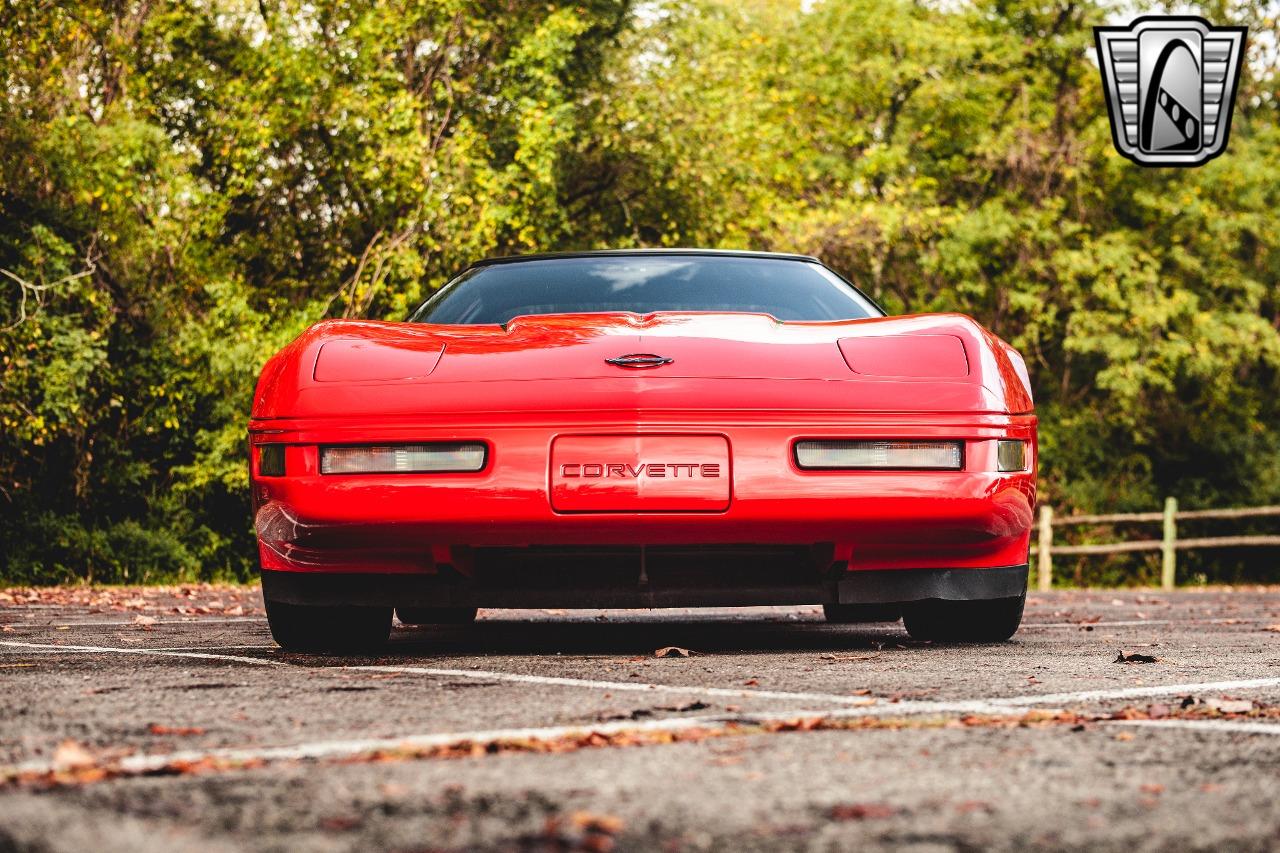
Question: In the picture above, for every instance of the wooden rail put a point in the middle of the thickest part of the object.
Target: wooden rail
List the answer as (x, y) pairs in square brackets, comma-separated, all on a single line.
[(1168, 544)]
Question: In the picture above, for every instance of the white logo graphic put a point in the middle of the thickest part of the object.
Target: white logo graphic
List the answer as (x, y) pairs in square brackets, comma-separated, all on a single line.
[(1170, 84)]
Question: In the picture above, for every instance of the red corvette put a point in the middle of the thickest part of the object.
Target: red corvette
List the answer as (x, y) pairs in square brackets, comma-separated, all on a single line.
[(643, 429)]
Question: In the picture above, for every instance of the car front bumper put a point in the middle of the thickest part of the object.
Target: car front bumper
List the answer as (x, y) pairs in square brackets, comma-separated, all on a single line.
[(832, 530)]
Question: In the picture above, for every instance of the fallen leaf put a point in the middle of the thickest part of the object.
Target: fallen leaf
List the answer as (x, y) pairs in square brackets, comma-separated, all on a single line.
[(72, 756), (1275, 629), (157, 729), (1134, 658), (588, 822), (751, 682), (144, 621), (862, 811), (691, 706), (1151, 788), (671, 652)]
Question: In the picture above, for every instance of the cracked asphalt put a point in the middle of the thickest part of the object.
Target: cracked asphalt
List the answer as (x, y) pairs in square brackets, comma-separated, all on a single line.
[(159, 723)]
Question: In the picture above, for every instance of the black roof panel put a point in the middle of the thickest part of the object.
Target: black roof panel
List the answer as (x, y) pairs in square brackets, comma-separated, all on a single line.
[(605, 253)]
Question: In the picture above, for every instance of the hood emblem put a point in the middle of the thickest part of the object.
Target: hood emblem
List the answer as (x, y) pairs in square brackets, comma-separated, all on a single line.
[(639, 360)]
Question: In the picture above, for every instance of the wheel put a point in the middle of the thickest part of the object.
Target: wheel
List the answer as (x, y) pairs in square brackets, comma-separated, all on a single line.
[(341, 629), (437, 615), (851, 614), (992, 621)]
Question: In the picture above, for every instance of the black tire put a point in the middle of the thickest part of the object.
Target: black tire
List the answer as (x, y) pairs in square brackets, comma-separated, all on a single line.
[(856, 614), (437, 615), (340, 630), (991, 621)]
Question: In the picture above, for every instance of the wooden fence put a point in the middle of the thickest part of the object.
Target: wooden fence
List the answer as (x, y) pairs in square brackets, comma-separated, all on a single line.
[(1168, 544)]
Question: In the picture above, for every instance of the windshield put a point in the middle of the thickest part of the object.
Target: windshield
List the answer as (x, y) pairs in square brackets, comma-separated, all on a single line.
[(787, 289)]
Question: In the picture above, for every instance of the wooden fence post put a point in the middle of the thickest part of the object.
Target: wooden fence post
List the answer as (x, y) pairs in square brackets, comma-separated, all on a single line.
[(1169, 544), (1044, 558)]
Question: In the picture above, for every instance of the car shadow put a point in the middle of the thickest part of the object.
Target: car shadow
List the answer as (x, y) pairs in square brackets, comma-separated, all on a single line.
[(609, 636)]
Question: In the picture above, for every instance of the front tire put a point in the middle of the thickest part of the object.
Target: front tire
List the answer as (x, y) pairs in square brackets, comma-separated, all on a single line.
[(990, 621), (335, 629)]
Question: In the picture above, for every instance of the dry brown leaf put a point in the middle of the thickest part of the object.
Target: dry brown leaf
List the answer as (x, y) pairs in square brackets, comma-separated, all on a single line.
[(72, 756), (157, 729), (1134, 657), (862, 811), (671, 652), (588, 822)]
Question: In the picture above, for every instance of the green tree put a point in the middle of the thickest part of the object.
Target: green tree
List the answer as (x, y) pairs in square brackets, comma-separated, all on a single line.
[(184, 186)]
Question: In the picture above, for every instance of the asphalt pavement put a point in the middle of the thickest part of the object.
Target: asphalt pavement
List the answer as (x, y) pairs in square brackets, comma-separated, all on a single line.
[(167, 719)]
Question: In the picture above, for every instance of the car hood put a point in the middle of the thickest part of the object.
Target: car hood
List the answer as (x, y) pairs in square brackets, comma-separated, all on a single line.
[(941, 362)]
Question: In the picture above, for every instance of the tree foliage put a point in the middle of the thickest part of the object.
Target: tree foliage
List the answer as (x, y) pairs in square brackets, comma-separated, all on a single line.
[(186, 184)]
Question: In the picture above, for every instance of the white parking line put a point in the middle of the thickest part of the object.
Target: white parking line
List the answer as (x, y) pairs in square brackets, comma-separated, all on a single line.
[(193, 620), (479, 674), (1133, 623), (718, 724), (1139, 692), (18, 644), (860, 703), (335, 748), (628, 686), (1204, 725), (345, 748)]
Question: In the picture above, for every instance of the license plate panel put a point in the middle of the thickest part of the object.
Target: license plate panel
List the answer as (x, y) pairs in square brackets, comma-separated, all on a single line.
[(640, 473)]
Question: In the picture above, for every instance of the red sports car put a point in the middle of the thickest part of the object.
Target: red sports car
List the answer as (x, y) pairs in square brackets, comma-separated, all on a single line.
[(643, 429)]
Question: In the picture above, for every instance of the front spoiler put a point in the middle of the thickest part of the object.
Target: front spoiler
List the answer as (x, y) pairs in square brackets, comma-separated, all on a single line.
[(889, 586)]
